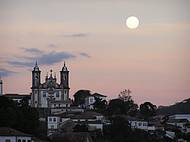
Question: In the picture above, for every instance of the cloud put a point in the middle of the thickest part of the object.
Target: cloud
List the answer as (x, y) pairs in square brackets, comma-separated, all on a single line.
[(54, 57), (21, 63), (5, 72), (51, 45), (76, 35), (32, 50), (85, 55), (43, 59)]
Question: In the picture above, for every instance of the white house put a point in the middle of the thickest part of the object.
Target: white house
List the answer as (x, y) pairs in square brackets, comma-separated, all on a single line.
[(92, 119), (12, 135), (180, 116), (90, 100)]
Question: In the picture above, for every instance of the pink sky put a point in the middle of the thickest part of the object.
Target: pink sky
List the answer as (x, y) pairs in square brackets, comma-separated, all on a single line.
[(102, 54)]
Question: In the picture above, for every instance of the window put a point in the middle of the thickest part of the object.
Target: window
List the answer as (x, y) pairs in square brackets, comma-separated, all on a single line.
[(52, 127), (50, 119), (23, 140), (91, 100), (19, 140), (140, 124), (57, 94), (7, 140), (44, 93), (29, 140), (54, 119), (144, 124)]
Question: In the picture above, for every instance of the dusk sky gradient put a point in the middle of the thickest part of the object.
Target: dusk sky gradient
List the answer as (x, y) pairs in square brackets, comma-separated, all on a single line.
[(102, 54)]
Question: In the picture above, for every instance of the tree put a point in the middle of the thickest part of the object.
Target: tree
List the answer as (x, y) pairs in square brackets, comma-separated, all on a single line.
[(79, 97), (118, 131), (81, 128), (115, 107), (19, 116), (100, 105), (147, 110), (125, 95)]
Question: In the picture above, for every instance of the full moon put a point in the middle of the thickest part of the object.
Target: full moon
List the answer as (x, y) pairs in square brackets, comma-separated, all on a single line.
[(132, 22)]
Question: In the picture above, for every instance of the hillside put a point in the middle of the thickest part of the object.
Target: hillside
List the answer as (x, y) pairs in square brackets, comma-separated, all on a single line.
[(178, 108)]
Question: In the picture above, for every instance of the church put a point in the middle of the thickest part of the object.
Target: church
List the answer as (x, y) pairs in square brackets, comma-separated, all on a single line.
[(50, 94)]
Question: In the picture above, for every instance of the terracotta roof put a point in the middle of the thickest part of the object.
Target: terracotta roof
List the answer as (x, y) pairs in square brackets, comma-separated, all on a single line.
[(6, 131)]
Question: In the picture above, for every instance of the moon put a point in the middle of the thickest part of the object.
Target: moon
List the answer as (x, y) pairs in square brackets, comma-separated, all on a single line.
[(132, 22)]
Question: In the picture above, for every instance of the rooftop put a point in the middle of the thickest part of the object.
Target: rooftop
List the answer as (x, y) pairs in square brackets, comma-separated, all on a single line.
[(6, 131)]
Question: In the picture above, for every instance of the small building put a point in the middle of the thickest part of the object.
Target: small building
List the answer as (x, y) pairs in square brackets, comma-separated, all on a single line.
[(180, 116), (92, 119), (12, 135), (90, 100), (18, 97)]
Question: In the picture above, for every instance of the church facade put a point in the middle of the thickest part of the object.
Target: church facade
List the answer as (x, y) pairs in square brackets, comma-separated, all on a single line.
[(50, 94)]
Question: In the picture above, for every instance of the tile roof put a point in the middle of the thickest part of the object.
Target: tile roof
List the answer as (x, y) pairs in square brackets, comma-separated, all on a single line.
[(6, 131)]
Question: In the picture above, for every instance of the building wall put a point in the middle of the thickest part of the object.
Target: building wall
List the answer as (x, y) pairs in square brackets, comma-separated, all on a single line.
[(53, 122), (27, 139), (139, 125), (15, 139), (11, 138), (180, 116)]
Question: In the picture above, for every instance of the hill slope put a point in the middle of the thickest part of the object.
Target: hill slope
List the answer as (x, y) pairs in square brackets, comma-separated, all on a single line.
[(178, 108)]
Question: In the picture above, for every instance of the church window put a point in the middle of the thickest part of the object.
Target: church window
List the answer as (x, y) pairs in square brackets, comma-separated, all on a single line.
[(44, 93), (65, 91), (57, 94)]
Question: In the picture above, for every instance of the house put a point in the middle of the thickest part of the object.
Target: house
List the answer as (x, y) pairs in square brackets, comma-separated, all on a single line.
[(180, 116), (90, 100), (94, 120), (12, 135), (137, 123), (18, 97), (181, 124)]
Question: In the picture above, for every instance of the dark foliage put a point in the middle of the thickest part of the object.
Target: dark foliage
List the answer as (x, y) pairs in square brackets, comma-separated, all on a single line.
[(147, 110), (79, 97), (119, 106), (18, 116), (100, 105), (80, 128)]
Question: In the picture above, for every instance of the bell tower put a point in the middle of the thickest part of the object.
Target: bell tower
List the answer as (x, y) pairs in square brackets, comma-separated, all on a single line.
[(36, 76), (1, 86), (64, 78), (64, 73)]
